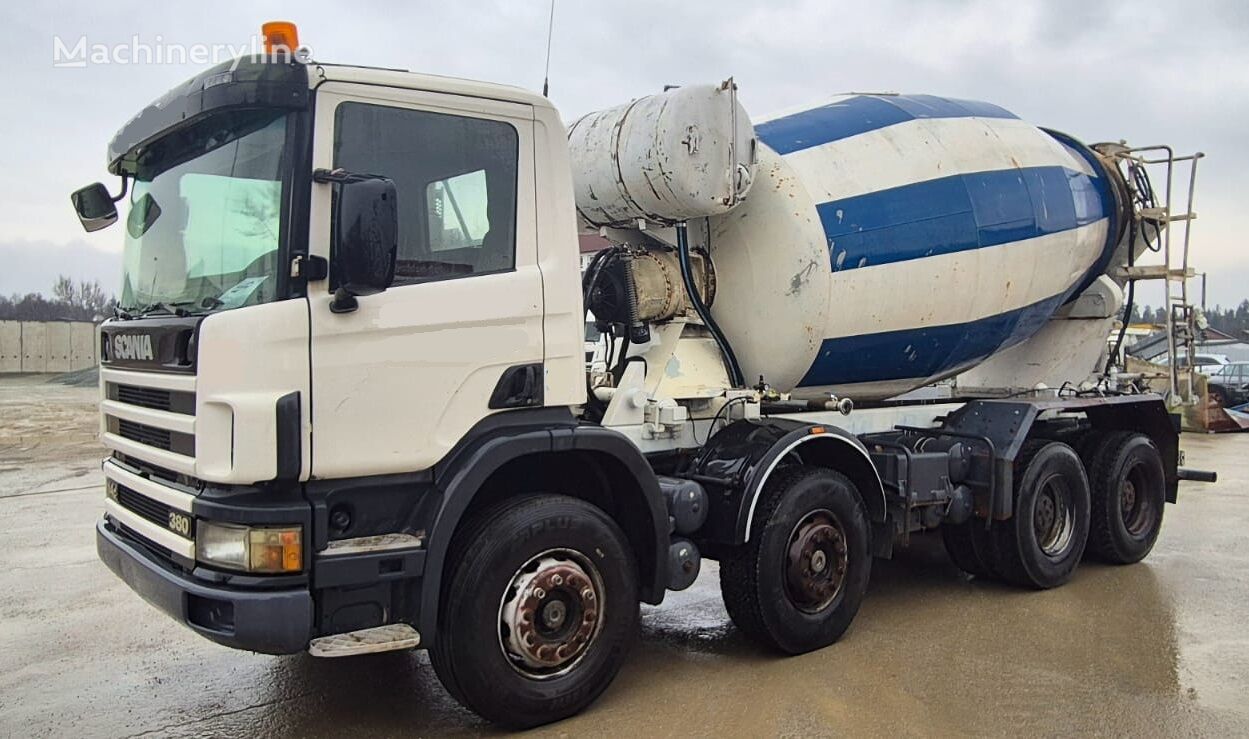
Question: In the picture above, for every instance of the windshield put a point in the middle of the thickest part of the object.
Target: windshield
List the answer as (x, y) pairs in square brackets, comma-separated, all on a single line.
[(205, 217)]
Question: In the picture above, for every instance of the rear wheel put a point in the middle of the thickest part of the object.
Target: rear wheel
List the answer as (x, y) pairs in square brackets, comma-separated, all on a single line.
[(799, 581), (538, 612), (1128, 487), (1043, 541), (968, 545)]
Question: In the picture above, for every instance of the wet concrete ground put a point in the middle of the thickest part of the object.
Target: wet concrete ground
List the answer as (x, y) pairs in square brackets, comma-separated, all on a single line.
[(1159, 648)]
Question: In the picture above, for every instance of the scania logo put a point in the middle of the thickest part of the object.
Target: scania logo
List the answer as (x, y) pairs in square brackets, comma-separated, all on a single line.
[(132, 346)]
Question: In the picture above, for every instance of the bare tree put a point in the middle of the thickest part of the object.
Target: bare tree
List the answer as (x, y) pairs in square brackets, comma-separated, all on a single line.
[(85, 301), (91, 297), (63, 291)]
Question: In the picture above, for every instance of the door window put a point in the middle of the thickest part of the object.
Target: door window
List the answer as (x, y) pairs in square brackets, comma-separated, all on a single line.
[(457, 211), (456, 182)]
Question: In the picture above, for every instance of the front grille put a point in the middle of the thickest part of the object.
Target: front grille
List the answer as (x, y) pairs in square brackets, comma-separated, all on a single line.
[(157, 438), (148, 397), (156, 472), (152, 397), (162, 552), (153, 510), (144, 434)]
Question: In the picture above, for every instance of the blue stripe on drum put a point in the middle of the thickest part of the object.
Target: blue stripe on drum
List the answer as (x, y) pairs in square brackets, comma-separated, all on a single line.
[(863, 113), (958, 213), (1106, 192), (924, 352)]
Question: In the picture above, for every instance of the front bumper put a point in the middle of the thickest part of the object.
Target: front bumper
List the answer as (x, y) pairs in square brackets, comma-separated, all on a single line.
[(268, 621)]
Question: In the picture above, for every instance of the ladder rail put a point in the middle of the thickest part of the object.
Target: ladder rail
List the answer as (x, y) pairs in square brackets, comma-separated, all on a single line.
[(1181, 316)]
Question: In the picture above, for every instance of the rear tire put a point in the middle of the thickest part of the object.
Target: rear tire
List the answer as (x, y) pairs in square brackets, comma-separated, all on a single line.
[(1042, 543), (505, 648), (799, 581), (1128, 486), (968, 545)]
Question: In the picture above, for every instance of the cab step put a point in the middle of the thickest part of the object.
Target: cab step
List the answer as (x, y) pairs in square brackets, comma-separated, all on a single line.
[(387, 638)]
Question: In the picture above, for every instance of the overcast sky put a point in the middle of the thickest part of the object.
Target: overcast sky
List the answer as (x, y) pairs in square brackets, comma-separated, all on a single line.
[(1148, 72)]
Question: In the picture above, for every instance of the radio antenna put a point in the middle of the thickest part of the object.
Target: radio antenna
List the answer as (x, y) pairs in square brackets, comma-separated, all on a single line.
[(546, 75)]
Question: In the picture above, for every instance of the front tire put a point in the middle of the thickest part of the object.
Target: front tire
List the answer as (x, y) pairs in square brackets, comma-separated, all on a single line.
[(538, 612), (799, 581)]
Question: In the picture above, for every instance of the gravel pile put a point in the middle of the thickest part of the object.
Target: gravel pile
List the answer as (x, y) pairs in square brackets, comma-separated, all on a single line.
[(80, 378)]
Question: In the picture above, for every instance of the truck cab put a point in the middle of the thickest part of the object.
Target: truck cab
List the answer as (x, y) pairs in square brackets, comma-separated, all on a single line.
[(260, 304)]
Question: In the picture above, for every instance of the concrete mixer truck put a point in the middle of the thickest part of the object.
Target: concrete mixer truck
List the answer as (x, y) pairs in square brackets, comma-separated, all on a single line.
[(347, 408)]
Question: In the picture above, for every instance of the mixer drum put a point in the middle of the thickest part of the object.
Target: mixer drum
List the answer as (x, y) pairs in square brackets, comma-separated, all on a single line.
[(890, 241)]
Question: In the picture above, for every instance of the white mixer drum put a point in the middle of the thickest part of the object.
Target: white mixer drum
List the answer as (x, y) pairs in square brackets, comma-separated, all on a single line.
[(894, 240)]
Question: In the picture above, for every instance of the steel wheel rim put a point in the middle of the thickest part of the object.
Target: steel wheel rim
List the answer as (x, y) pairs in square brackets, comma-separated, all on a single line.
[(816, 561), (1053, 516), (550, 613), (1136, 509)]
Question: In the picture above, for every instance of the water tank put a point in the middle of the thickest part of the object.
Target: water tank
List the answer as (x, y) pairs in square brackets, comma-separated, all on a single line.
[(889, 241), (681, 154)]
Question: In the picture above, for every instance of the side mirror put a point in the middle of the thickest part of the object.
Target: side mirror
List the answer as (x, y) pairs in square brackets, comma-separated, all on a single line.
[(94, 207), (366, 238)]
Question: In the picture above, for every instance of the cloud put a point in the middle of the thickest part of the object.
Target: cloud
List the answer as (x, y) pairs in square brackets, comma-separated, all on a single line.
[(1141, 70), (33, 266)]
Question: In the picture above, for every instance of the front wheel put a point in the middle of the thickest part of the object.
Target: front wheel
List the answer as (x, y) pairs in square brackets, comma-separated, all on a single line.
[(799, 581), (538, 612)]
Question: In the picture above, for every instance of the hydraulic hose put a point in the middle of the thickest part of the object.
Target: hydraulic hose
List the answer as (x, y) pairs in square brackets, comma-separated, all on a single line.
[(1145, 196), (687, 277), (1127, 307)]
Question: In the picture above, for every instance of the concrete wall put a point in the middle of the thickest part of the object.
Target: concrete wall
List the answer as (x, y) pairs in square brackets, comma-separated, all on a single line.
[(47, 346), (10, 346)]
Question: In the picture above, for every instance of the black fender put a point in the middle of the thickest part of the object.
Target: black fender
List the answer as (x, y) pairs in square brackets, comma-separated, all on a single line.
[(1008, 423), (737, 462), (506, 437)]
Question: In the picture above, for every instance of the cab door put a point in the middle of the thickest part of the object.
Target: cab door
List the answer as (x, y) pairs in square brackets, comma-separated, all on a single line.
[(398, 381)]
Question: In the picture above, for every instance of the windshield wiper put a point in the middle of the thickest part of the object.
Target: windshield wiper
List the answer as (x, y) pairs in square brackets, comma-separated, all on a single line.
[(122, 313), (177, 307), (173, 309)]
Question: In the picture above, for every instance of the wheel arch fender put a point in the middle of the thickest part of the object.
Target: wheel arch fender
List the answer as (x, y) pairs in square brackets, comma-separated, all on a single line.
[(469, 469), (821, 446), (737, 462)]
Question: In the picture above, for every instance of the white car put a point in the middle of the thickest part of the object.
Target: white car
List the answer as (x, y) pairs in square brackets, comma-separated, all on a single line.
[(1203, 361)]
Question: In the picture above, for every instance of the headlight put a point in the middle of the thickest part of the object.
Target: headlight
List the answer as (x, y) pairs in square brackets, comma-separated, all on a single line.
[(249, 548)]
